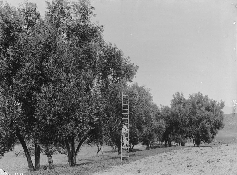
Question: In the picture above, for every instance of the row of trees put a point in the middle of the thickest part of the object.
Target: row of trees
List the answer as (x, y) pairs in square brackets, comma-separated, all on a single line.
[(198, 118), (56, 77), (61, 85)]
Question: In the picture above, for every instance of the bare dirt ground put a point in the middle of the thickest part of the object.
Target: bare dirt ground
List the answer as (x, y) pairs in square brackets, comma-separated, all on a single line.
[(218, 158), (208, 160)]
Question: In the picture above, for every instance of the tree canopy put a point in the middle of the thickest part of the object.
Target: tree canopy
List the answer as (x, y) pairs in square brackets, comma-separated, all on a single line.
[(54, 72), (197, 117)]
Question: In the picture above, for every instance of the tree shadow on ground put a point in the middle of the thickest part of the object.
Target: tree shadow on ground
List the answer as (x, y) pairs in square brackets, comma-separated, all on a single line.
[(205, 146), (158, 146), (110, 151), (135, 150)]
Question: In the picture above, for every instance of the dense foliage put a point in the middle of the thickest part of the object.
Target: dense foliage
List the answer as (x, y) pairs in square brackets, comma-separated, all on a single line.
[(197, 117)]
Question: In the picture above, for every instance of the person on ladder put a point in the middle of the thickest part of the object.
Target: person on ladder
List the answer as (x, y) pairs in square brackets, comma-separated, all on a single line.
[(124, 134)]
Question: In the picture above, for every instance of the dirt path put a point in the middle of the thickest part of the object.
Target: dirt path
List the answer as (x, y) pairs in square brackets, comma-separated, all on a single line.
[(219, 160)]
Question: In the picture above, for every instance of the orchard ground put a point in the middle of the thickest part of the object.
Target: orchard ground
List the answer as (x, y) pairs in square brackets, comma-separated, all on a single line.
[(141, 160)]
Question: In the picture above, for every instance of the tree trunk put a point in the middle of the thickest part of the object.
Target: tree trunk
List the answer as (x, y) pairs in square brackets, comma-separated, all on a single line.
[(194, 143), (72, 159), (68, 155), (197, 142), (71, 152), (68, 151), (170, 144), (27, 154), (131, 147), (80, 143), (166, 143), (37, 157), (50, 161), (118, 145), (148, 145), (98, 148)]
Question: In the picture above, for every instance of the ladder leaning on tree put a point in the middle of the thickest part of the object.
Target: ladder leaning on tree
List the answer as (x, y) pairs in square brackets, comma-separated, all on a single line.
[(125, 128)]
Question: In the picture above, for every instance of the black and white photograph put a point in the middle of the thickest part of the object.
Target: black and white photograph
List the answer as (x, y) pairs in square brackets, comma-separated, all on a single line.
[(118, 87)]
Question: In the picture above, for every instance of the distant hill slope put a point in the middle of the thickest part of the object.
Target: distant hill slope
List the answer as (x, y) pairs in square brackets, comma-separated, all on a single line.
[(230, 121), (229, 133)]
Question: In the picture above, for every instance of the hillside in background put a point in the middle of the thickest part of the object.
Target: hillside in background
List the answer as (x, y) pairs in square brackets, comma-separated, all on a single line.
[(230, 121), (229, 132)]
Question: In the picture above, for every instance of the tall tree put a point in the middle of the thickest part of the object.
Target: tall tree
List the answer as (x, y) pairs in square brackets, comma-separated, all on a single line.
[(21, 74), (81, 68), (176, 119), (143, 115)]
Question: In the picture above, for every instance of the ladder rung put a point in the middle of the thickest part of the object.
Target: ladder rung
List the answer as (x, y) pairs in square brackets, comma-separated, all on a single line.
[(125, 123)]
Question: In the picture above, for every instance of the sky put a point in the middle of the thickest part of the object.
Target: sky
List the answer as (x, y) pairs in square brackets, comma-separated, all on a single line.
[(186, 46)]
